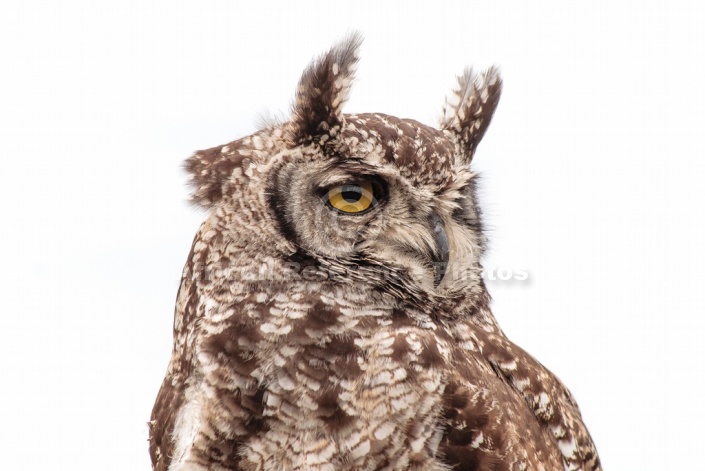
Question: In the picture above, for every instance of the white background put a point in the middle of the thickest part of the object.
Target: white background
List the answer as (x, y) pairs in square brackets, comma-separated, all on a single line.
[(592, 174)]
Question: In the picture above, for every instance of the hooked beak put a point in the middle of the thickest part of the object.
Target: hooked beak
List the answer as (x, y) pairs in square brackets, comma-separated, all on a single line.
[(441, 252)]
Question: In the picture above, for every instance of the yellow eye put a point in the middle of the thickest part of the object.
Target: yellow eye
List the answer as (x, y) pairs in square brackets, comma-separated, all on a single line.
[(351, 198)]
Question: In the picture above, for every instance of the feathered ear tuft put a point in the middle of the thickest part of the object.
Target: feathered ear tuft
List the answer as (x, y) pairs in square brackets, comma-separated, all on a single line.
[(468, 111), (323, 90)]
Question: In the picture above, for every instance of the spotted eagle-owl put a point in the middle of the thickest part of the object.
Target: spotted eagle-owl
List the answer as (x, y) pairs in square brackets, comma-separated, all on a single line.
[(332, 314)]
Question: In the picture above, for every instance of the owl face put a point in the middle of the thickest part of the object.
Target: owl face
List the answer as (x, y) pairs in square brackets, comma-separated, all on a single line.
[(369, 197), (358, 200)]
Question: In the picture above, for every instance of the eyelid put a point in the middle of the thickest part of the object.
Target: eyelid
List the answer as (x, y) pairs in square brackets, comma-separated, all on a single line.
[(378, 184), (339, 174)]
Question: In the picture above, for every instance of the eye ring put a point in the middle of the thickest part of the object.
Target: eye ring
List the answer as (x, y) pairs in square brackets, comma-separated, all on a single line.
[(352, 198)]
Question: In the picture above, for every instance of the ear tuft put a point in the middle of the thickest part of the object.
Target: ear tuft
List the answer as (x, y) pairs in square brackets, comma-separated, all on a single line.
[(323, 90), (468, 111)]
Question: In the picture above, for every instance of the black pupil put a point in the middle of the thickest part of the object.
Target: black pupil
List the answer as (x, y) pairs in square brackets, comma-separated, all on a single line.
[(351, 193)]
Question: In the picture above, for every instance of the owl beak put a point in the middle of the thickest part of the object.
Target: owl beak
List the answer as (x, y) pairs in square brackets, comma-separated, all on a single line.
[(441, 254)]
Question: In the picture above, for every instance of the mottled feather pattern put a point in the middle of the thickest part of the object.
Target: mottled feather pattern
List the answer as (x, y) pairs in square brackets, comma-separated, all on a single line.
[(310, 339), (469, 109), (323, 90)]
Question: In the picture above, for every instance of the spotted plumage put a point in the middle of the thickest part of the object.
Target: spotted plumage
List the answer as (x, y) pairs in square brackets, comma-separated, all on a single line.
[(332, 315)]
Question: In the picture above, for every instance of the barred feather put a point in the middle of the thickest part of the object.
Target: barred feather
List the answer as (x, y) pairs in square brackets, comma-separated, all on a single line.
[(469, 109)]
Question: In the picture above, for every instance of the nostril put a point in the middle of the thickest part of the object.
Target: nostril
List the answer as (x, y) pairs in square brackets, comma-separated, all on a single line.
[(441, 253)]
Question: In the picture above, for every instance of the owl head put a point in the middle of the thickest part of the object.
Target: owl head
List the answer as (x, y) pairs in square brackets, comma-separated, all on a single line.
[(370, 199)]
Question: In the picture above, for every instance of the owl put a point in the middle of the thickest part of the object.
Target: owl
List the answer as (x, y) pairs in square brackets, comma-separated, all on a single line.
[(332, 314)]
